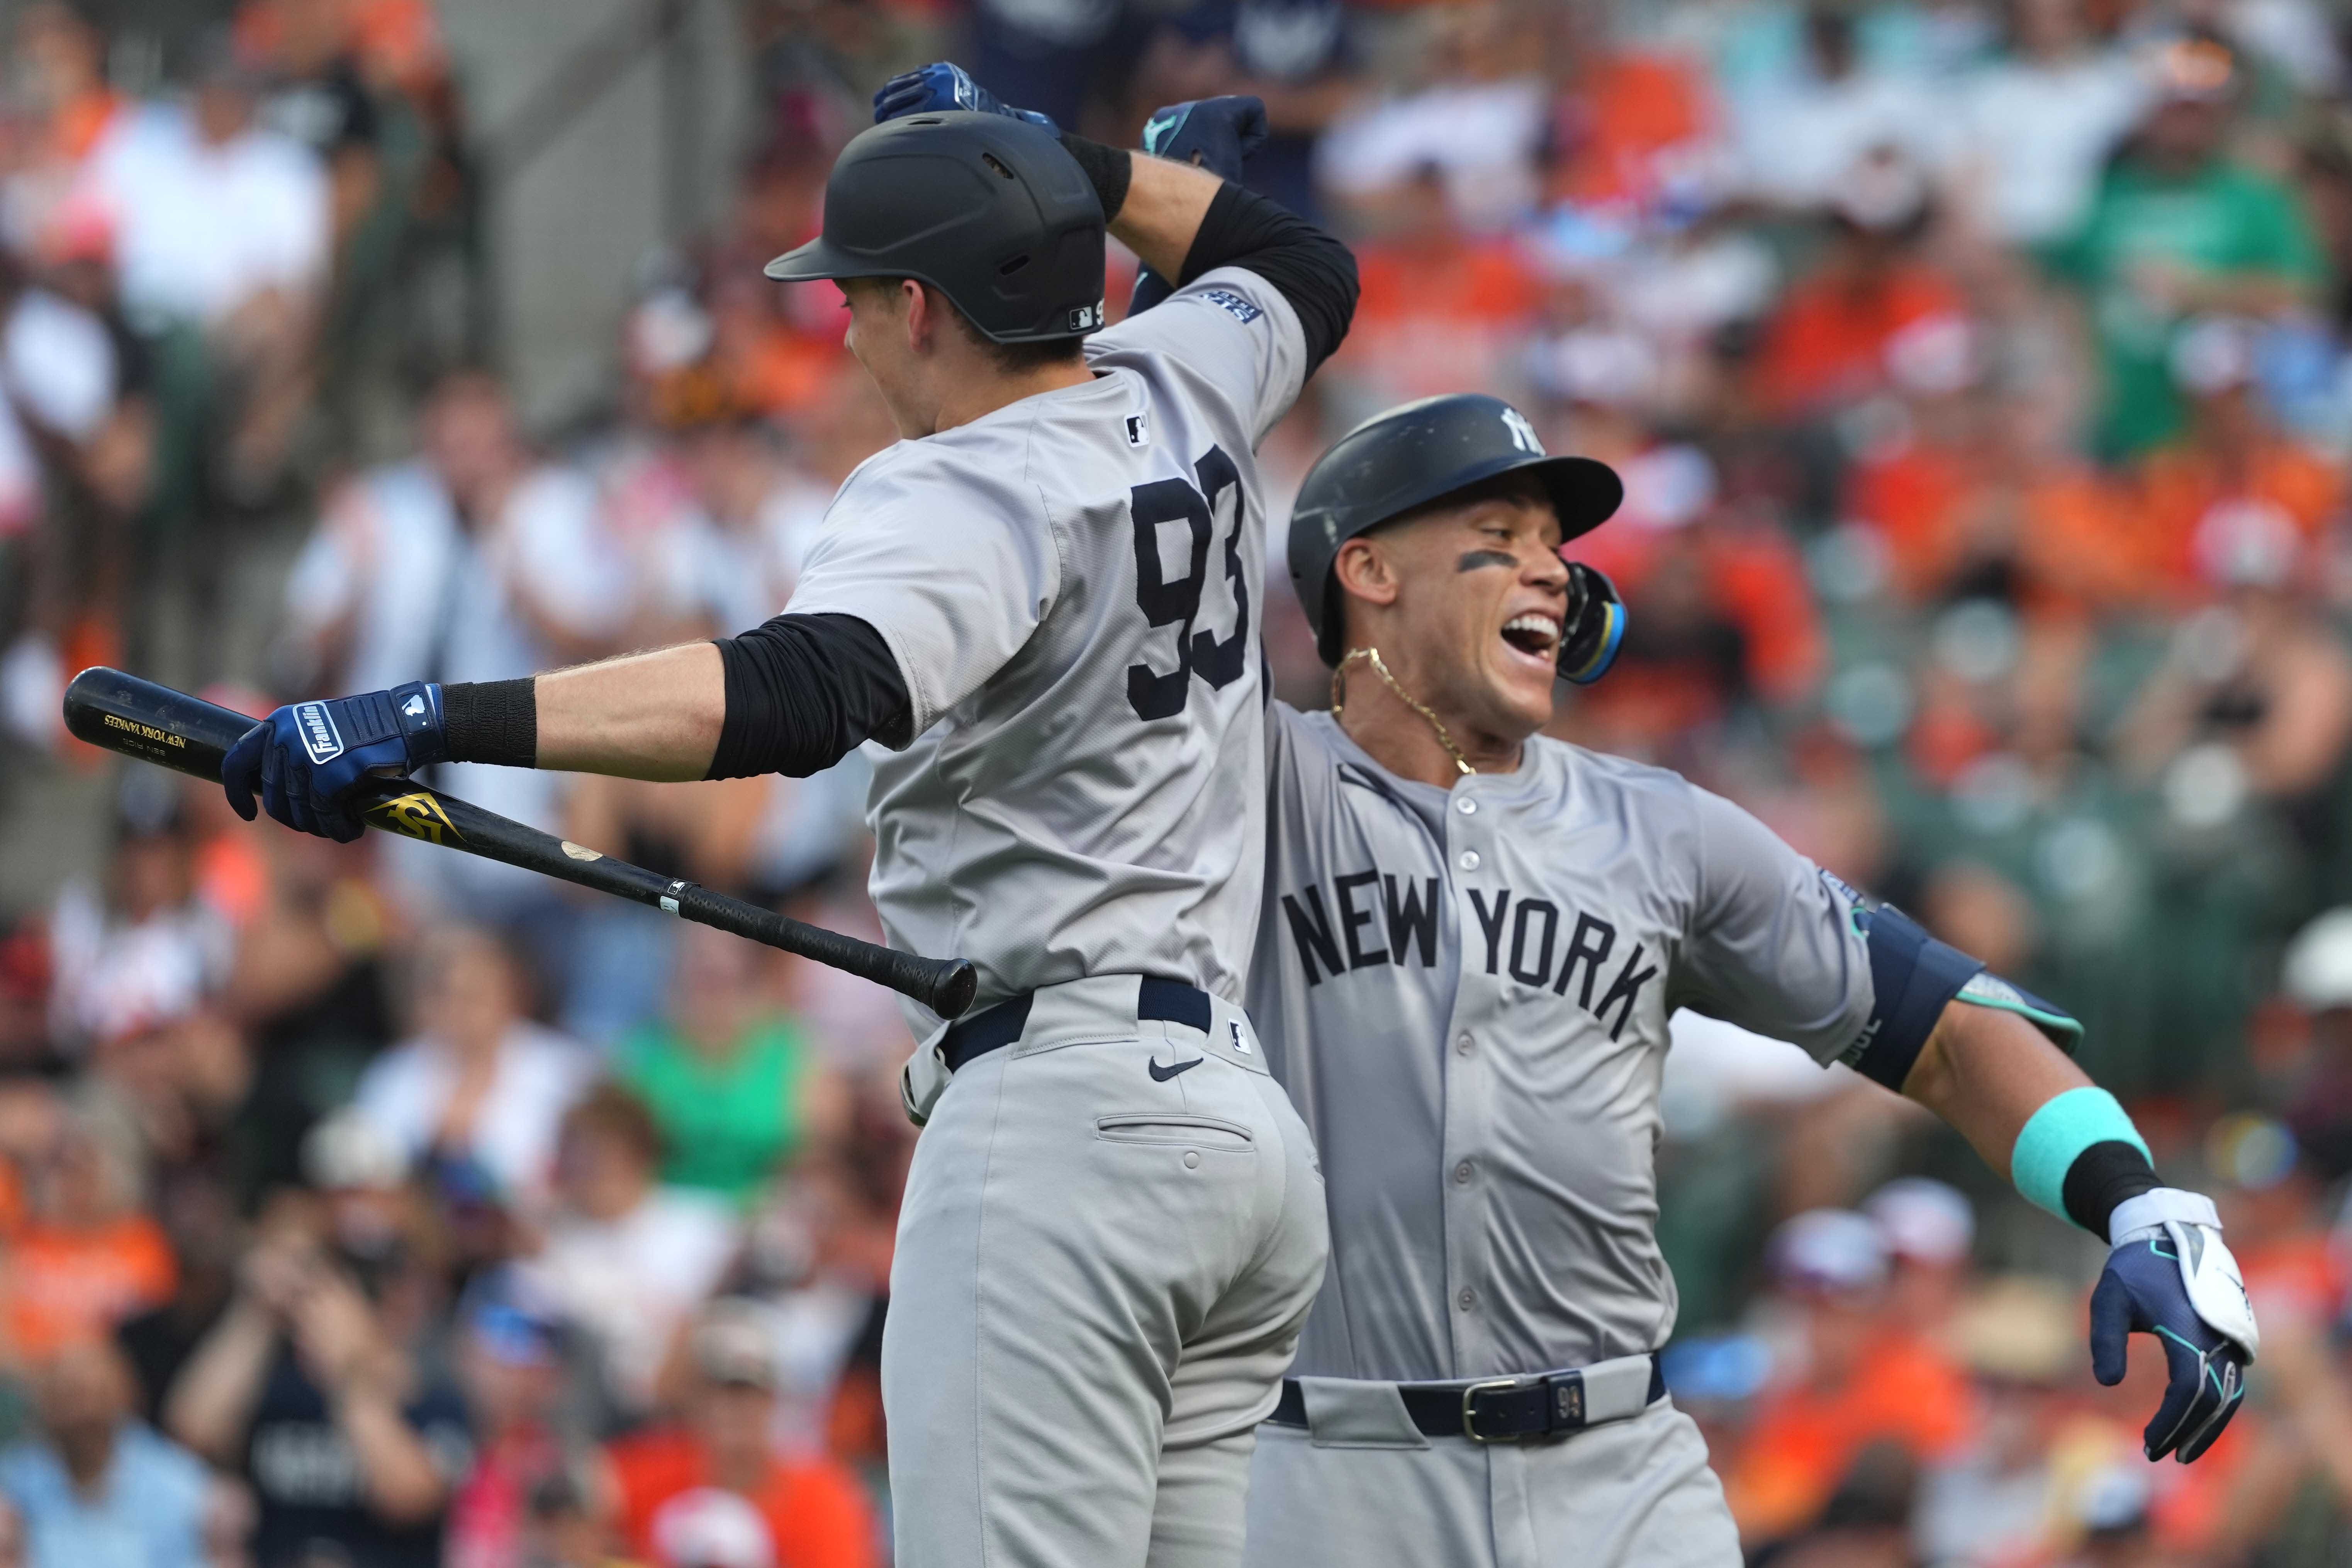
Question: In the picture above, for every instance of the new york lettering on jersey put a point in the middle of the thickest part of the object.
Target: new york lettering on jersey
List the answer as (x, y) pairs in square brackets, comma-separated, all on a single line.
[(1447, 978), (1400, 928)]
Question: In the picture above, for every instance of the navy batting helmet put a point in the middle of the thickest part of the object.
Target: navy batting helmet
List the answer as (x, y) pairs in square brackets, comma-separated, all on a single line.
[(1424, 452), (991, 212)]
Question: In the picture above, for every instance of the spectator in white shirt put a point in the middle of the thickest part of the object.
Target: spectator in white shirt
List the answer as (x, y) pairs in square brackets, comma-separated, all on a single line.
[(477, 561), (143, 951), (1480, 124), (210, 211), (478, 1080), (624, 1259), (2035, 128), (222, 228), (72, 470), (1799, 139)]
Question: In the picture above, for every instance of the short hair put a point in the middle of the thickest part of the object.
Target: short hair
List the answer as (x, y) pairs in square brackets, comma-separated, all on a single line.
[(614, 1112), (1009, 359)]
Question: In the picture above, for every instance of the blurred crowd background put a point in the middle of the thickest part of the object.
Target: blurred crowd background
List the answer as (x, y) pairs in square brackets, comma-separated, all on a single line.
[(1981, 375)]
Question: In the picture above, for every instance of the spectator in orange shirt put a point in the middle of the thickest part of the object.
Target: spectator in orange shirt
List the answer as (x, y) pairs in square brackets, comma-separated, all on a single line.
[(1441, 309), (89, 1257), (1862, 1380), (1930, 1228), (1926, 492), (67, 53), (2232, 460), (699, 1493), (1827, 346), (1723, 615), (1977, 494), (1623, 115)]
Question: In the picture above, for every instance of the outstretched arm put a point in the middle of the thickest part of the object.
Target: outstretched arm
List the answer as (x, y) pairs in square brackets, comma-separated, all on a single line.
[(1789, 950), (1989, 1066), (793, 696), (1986, 1072), (645, 716)]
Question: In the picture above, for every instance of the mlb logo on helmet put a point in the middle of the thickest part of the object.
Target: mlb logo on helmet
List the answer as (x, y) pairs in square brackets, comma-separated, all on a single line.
[(319, 734), (1087, 318)]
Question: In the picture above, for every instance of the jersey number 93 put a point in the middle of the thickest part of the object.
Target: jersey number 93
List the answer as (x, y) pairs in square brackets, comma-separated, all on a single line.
[(1164, 602)]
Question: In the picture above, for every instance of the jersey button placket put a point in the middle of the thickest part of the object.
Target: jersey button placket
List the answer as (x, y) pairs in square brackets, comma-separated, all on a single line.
[(1468, 1118)]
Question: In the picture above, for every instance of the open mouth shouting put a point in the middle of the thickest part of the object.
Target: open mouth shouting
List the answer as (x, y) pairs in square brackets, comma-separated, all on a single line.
[(1533, 635)]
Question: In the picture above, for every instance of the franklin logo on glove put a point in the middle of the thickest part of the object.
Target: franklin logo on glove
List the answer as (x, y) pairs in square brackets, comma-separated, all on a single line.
[(319, 736)]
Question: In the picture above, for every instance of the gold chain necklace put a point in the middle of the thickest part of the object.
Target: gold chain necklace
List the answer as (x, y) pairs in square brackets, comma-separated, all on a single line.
[(1372, 655)]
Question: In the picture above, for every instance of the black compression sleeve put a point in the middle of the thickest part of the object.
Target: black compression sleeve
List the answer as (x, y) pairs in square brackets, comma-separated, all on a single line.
[(802, 691), (492, 721), (2102, 1176), (1314, 271), (1109, 169)]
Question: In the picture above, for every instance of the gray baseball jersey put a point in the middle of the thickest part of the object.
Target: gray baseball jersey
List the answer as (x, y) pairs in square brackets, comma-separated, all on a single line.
[(1466, 994), (1072, 587)]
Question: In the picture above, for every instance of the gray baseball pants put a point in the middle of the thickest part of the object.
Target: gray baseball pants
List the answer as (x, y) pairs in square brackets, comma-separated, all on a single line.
[(1111, 1234), (1635, 1493)]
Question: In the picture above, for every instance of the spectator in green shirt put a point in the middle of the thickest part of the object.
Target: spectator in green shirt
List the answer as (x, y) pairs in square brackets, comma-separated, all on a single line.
[(734, 1085), (2178, 229)]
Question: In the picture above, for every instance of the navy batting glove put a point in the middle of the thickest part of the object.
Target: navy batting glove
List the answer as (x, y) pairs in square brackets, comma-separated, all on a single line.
[(1217, 134), (942, 85), (2170, 1276), (307, 757), (1214, 133)]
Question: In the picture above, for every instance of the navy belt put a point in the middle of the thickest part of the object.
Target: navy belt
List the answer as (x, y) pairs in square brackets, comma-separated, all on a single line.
[(993, 1027), (1488, 1410)]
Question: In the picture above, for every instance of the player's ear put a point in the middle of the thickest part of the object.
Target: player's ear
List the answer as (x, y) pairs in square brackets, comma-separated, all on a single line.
[(923, 312), (1367, 572)]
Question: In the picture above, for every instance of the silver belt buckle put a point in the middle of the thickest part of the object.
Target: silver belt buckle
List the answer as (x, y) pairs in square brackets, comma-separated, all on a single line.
[(1469, 1422)]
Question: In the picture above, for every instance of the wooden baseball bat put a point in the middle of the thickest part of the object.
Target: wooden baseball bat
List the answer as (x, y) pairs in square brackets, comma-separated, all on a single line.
[(156, 724)]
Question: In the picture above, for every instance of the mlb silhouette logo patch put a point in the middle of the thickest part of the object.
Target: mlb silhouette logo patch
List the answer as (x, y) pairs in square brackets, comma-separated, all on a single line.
[(1139, 431)]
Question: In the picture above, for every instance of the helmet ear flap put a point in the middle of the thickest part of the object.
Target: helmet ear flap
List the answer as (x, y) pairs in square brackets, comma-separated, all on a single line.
[(1595, 629)]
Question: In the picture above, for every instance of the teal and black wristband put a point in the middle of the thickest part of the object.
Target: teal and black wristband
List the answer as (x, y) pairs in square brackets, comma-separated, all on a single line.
[(2079, 1156)]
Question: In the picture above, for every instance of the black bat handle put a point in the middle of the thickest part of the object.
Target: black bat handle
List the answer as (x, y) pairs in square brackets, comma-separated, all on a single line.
[(945, 985)]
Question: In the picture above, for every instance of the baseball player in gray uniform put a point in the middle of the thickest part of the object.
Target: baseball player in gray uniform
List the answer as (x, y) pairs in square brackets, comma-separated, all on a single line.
[(1474, 938), (1043, 602)]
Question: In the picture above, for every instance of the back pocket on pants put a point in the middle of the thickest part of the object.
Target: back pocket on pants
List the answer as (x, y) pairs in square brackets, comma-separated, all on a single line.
[(1160, 1127)]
